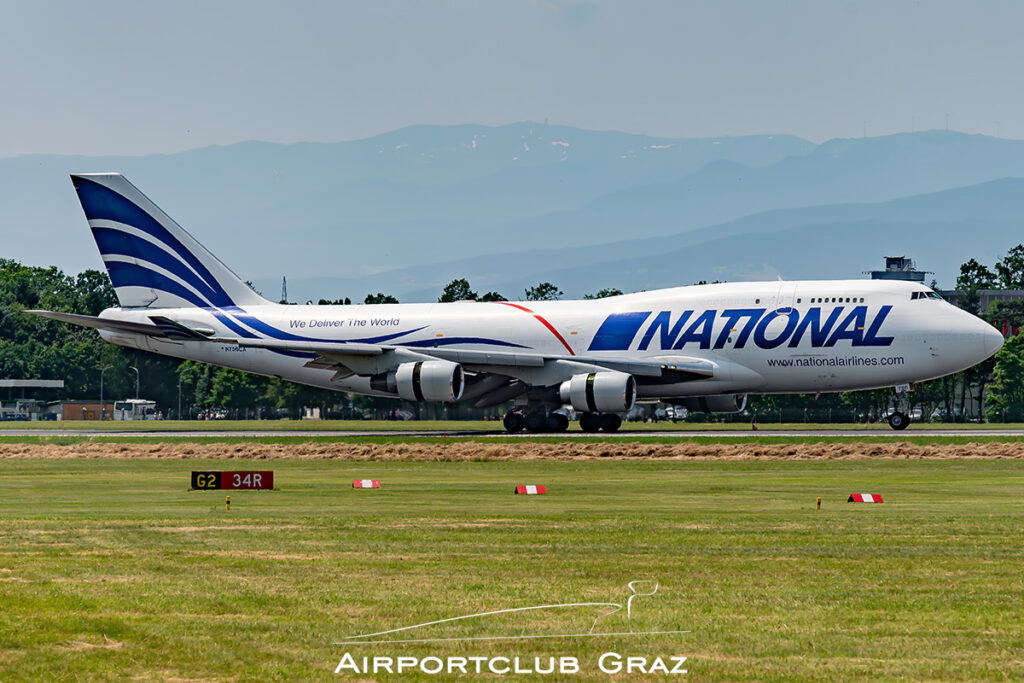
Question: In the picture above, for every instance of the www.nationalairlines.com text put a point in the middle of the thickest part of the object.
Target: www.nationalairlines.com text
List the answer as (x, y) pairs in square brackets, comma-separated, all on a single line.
[(847, 362)]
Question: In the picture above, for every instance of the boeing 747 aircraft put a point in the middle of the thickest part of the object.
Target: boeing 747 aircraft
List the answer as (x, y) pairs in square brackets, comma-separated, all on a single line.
[(705, 347)]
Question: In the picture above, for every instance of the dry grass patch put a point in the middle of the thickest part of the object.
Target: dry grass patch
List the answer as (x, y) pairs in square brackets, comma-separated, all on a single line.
[(80, 645), (524, 451)]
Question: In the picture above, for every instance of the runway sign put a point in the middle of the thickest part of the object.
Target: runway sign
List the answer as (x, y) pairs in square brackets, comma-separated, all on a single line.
[(531, 490), (233, 481), (864, 498), (366, 483)]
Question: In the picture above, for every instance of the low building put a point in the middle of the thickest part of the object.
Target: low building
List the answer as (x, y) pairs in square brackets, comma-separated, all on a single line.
[(23, 409), (986, 297), (79, 410)]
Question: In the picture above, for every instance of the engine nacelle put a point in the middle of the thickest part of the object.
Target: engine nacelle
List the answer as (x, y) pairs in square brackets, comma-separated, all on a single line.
[(730, 403), (610, 392), (429, 380)]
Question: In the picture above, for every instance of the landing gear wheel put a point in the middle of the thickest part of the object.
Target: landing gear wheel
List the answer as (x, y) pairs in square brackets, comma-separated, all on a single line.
[(590, 422), (610, 422), (514, 421), (557, 422), (536, 422), (899, 421)]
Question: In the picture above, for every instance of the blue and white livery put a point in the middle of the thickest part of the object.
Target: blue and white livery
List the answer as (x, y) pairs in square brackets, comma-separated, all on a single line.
[(705, 346)]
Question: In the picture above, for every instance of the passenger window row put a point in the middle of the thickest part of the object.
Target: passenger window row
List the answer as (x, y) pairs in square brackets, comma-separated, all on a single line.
[(830, 300), (834, 300), (837, 299)]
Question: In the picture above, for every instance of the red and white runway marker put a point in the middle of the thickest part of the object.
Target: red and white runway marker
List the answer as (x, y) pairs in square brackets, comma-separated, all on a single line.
[(366, 483), (531, 490), (864, 498)]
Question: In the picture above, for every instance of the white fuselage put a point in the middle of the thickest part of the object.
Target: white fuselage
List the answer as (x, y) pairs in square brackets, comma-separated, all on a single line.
[(761, 337)]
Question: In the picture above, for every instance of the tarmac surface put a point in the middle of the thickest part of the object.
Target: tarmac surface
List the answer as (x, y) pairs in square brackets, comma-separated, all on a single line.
[(625, 434)]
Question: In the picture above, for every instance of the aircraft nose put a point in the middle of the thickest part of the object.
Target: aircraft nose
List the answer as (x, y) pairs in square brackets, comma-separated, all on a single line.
[(991, 340)]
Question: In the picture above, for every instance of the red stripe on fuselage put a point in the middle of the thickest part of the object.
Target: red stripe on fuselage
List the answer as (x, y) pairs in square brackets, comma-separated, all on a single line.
[(543, 322)]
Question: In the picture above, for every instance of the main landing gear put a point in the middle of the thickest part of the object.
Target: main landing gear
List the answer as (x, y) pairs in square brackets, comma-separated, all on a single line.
[(538, 421), (591, 422), (535, 421), (899, 419)]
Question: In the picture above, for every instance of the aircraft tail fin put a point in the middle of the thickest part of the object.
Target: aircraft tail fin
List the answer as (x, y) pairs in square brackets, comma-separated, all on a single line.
[(152, 261)]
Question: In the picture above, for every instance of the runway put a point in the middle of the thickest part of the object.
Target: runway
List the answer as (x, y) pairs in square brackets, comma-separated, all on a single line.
[(626, 434)]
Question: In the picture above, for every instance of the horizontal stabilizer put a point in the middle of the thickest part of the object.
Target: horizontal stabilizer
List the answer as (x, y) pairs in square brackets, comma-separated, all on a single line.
[(100, 323)]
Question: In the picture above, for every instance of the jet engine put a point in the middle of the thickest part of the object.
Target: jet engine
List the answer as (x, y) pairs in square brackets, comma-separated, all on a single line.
[(430, 380), (730, 403), (610, 392)]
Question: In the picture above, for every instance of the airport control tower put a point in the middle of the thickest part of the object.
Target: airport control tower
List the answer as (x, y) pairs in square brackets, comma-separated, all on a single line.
[(899, 268)]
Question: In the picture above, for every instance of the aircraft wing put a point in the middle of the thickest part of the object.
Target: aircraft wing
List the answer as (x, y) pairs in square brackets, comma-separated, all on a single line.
[(492, 377), (324, 349), (489, 367), (661, 367)]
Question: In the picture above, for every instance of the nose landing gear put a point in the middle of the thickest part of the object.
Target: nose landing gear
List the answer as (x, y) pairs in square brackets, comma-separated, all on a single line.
[(899, 419)]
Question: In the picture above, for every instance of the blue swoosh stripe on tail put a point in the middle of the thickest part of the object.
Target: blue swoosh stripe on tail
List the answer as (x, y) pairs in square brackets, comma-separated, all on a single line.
[(130, 275), (112, 241), (102, 203)]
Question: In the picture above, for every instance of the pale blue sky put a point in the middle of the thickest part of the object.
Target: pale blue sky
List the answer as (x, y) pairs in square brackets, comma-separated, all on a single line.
[(104, 77)]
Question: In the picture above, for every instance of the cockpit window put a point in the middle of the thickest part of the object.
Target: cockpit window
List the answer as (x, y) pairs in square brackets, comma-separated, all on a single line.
[(925, 295)]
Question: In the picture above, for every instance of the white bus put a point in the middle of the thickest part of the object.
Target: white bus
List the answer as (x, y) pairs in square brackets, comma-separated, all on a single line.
[(135, 409)]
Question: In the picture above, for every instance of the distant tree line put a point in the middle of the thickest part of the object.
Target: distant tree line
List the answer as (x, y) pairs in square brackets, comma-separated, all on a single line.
[(35, 348)]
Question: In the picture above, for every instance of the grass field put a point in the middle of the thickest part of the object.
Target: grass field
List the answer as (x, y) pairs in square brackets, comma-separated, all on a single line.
[(112, 570)]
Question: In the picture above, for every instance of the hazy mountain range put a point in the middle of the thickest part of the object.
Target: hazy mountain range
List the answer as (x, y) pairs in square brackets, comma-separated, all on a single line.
[(407, 211)]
